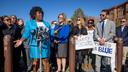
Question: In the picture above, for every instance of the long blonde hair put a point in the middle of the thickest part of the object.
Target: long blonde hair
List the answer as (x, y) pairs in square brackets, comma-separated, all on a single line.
[(82, 22)]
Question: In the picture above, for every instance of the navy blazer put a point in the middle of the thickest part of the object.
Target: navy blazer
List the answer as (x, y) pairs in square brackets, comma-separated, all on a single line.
[(123, 34)]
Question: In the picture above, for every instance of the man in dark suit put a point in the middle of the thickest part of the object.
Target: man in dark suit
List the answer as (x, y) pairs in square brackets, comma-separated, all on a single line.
[(122, 31)]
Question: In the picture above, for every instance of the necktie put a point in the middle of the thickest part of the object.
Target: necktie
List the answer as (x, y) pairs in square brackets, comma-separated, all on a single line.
[(102, 28)]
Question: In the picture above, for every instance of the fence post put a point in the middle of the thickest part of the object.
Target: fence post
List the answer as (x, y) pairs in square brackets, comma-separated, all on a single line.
[(119, 54), (8, 67), (72, 55)]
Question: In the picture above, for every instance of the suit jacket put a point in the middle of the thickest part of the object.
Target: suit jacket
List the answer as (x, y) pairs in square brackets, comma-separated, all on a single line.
[(63, 33), (109, 31), (77, 31), (123, 34), (30, 32)]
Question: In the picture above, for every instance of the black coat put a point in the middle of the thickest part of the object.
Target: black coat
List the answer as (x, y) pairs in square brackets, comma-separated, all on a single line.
[(123, 34), (77, 31), (79, 57), (13, 31)]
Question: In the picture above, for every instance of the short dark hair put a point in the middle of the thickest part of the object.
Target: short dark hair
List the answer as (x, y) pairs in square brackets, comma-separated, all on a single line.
[(20, 19), (91, 20), (33, 11), (106, 11)]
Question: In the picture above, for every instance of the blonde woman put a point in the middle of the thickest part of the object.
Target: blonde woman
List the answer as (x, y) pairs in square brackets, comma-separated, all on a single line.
[(78, 30), (61, 32)]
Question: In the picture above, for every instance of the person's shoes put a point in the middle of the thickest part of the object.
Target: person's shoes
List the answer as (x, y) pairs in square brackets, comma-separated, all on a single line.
[(30, 68), (58, 71), (85, 67), (106, 68), (90, 67)]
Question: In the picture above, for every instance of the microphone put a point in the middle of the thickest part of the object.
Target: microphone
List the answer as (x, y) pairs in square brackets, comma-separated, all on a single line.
[(42, 33), (33, 32)]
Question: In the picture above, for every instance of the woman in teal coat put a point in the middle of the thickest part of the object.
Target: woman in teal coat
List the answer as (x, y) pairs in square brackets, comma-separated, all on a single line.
[(34, 29)]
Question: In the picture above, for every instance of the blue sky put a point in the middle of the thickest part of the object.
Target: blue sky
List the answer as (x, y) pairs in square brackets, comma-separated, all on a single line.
[(52, 8)]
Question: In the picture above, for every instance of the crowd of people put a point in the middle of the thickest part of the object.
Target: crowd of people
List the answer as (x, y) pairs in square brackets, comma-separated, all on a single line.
[(38, 44)]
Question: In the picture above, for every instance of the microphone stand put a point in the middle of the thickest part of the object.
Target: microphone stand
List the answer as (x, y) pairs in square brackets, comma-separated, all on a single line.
[(41, 36), (39, 43), (40, 56)]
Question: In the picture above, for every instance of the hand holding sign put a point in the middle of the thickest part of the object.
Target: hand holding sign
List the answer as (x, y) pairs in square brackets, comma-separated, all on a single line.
[(102, 41), (84, 42)]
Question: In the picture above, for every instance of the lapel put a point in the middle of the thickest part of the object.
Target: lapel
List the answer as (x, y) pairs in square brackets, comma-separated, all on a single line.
[(120, 31), (106, 26), (34, 24), (124, 30), (100, 26)]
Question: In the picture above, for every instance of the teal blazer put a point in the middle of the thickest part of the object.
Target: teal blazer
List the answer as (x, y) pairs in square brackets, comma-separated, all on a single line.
[(30, 32)]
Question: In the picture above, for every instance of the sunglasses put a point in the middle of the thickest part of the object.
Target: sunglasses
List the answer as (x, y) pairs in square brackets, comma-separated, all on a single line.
[(7, 19), (90, 22), (102, 15), (123, 21), (13, 18), (60, 17), (78, 19)]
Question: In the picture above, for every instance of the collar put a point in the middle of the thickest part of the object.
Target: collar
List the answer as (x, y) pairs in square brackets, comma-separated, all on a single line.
[(105, 20)]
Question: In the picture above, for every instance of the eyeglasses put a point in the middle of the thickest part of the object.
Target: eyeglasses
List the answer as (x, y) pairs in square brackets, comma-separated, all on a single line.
[(102, 15)]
